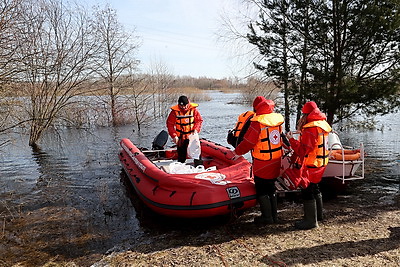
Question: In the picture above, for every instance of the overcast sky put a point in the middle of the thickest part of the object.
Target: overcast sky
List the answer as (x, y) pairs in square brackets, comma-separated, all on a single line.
[(179, 33)]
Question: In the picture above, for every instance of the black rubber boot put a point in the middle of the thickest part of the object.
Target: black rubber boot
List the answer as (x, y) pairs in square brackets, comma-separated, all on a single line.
[(274, 208), (266, 211), (318, 200), (310, 216)]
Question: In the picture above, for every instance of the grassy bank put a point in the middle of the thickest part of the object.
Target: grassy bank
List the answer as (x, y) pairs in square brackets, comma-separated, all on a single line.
[(360, 229)]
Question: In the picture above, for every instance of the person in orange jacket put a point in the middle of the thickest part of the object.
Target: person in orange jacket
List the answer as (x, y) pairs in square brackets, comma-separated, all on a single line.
[(183, 120), (264, 139), (312, 150)]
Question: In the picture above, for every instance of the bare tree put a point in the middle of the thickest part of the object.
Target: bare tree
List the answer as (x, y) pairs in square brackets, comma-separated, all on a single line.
[(257, 86), (116, 54), (138, 97), (55, 50), (161, 80), (8, 21), (8, 67), (233, 31)]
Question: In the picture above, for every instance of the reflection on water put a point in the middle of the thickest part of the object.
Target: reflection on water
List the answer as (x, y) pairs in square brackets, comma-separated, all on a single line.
[(383, 153), (68, 197)]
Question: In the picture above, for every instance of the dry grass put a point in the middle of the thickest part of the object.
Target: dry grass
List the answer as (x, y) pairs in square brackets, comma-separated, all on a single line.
[(356, 232), (360, 229)]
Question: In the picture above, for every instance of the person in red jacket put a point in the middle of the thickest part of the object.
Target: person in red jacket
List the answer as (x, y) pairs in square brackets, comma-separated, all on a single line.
[(183, 120), (312, 150), (264, 139)]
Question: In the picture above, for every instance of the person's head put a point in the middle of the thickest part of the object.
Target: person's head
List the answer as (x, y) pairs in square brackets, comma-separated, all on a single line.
[(263, 106), (311, 112), (308, 107), (183, 102)]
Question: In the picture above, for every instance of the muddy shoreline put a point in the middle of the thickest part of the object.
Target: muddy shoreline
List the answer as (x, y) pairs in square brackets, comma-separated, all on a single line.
[(359, 229)]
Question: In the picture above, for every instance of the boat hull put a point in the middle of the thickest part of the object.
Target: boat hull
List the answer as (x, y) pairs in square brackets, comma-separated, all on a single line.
[(227, 190), (337, 168)]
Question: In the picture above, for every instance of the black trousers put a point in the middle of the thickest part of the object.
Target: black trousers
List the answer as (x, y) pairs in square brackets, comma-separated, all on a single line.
[(264, 186), (310, 192), (182, 150)]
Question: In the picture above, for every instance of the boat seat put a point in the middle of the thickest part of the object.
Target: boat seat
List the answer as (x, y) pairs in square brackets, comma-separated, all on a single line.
[(165, 168), (163, 164)]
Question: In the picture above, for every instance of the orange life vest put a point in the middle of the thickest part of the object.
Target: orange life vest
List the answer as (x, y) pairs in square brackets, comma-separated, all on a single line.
[(319, 157), (184, 120), (269, 145), (241, 122)]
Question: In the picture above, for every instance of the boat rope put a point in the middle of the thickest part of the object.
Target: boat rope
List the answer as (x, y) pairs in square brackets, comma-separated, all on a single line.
[(278, 263), (191, 198), (154, 189), (234, 214), (220, 255)]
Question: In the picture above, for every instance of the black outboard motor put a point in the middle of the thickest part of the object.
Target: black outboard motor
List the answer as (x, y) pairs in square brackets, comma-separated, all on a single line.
[(160, 140)]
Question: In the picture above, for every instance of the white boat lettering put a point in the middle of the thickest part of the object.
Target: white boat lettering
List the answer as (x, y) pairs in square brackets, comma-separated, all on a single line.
[(124, 147), (135, 160), (139, 164)]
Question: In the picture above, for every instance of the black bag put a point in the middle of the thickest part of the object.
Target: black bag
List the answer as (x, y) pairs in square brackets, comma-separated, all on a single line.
[(236, 140), (231, 139)]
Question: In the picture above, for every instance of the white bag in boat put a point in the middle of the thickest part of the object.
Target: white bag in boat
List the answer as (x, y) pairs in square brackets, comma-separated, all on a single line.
[(180, 168), (193, 149)]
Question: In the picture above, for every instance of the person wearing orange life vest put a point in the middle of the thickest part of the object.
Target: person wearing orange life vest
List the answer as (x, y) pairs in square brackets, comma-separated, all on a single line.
[(183, 120), (264, 139), (312, 150)]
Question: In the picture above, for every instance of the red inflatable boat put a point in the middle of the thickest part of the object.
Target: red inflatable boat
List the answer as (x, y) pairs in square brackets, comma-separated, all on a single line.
[(222, 187)]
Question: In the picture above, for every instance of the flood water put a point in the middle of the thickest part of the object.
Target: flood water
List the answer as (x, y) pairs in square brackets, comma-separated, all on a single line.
[(69, 199)]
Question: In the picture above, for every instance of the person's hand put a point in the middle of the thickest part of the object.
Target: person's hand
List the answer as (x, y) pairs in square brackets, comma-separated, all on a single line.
[(289, 135), (175, 139), (235, 156)]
